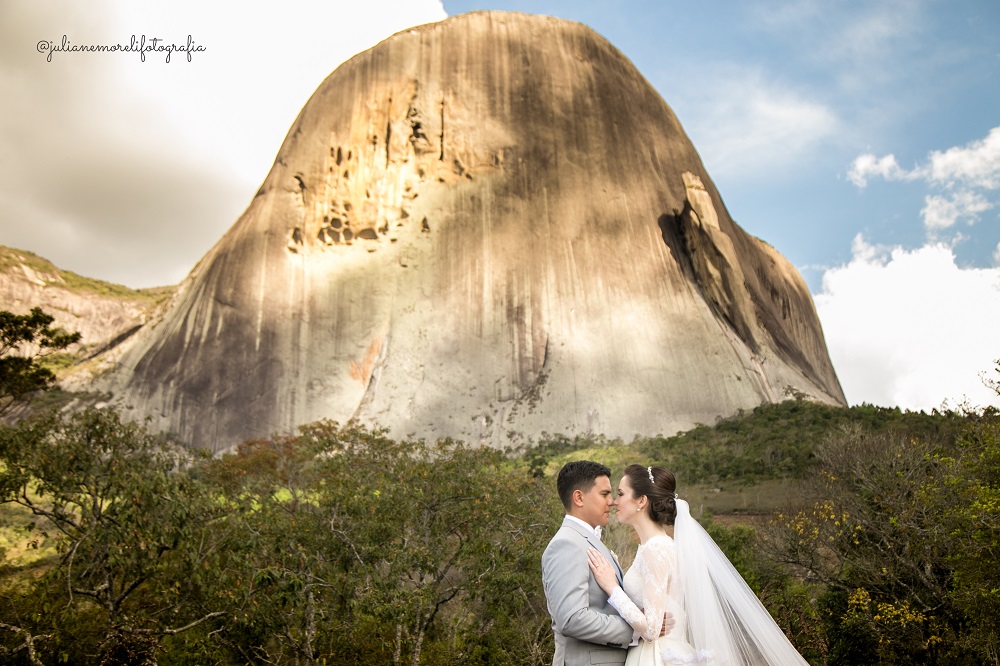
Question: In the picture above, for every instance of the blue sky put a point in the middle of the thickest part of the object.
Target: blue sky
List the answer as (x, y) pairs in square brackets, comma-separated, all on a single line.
[(781, 97), (855, 137)]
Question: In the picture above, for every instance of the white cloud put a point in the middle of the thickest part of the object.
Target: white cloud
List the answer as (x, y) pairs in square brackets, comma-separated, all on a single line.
[(868, 165), (129, 171), (942, 212), (910, 328), (976, 165), (861, 36), (751, 127), (236, 101), (966, 178), (863, 47)]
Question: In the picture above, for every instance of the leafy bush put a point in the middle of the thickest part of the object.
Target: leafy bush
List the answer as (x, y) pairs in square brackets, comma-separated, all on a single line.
[(339, 544), (778, 441), (902, 534), (131, 526), (342, 545), (25, 340)]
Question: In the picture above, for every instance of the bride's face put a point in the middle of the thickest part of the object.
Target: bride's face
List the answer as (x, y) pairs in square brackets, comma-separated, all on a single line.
[(627, 504)]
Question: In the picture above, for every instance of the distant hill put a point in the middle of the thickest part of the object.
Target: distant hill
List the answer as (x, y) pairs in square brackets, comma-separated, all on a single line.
[(105, 314), (755, 461)]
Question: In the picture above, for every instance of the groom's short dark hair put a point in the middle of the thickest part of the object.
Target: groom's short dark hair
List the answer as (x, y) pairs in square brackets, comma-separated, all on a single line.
[(578, 475)]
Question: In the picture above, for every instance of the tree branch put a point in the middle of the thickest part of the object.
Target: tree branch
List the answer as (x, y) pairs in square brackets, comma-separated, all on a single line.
[(29, 641), (189, 625)]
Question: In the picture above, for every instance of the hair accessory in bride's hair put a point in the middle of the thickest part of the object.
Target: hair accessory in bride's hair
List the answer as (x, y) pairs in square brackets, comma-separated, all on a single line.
[(649, 470)]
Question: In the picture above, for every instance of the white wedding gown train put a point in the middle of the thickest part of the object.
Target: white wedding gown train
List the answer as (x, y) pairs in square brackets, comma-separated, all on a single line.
[(720, 623)]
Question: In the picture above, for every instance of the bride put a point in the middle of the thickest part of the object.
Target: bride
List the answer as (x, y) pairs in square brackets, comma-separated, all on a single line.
[(718, 619)]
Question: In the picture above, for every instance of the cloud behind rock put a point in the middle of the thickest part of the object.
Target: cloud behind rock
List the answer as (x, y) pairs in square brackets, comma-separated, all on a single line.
[(129, 171)]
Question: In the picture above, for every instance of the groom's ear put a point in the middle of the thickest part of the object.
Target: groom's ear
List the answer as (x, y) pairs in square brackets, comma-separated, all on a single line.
[(577, 497)]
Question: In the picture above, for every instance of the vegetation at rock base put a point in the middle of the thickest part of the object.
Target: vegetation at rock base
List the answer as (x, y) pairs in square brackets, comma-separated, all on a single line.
[(338, 544), (131, 528), (25, 341), (342, 545), (345, 546), (900, 540), (767, 443)]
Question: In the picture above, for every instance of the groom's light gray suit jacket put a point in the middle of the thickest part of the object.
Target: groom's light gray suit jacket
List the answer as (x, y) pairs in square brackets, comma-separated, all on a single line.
[(587, 629)]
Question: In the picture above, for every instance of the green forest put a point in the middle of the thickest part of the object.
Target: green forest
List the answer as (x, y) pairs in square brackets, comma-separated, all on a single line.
[(870, 534)]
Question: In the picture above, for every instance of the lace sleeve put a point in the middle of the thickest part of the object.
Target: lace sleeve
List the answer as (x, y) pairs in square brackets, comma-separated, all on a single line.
[(656, 566)]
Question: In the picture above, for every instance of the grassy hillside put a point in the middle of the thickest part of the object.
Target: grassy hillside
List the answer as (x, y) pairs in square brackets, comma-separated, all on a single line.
[(737, 459), (11, 259)]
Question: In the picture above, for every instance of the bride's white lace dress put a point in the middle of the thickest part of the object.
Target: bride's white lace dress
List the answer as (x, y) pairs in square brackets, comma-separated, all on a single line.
[(652, 585)]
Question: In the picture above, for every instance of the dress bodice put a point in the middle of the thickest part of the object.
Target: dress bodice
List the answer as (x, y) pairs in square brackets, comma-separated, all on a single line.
[(730, 626), (633, 584)]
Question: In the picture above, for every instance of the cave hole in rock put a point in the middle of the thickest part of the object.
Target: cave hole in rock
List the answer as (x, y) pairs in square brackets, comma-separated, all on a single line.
[(335, 222), (368, 234)]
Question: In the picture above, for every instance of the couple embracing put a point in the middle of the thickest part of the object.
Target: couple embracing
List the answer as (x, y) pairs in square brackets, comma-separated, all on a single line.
[(681, 601)]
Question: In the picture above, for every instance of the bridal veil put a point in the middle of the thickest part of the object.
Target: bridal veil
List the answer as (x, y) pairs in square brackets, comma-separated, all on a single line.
[(724, 615)]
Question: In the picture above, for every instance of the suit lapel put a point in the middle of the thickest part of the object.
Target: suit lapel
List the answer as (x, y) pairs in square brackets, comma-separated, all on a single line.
[(592, 539), (607, 553)]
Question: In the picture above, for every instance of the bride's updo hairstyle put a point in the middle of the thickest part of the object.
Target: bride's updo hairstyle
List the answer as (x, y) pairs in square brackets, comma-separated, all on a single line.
[(660, 491)]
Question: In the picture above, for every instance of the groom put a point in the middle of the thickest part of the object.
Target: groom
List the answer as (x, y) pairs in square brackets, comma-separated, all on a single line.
[(587, 629)]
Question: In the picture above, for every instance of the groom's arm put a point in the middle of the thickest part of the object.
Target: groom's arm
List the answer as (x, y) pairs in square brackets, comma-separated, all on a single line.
[(566, 578)]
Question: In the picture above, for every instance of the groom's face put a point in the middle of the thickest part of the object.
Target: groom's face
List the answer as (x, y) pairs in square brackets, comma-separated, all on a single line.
[(597, 502)]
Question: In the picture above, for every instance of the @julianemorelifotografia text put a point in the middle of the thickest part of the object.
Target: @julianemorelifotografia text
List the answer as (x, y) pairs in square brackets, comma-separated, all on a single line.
[(139, 45)]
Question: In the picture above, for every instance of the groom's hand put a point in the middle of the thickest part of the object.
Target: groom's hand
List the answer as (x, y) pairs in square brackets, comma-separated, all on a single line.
[(668, 624)]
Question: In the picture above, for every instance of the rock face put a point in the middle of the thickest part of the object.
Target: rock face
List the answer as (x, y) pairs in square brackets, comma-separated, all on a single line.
[(105, 315), (489, 228)]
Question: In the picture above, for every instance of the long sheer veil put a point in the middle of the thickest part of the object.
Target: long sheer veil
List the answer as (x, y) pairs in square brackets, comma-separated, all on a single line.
[(724, 615)]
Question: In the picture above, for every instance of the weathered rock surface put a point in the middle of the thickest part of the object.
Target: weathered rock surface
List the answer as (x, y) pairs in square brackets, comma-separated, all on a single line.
[(105, 315), (489, 228)]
